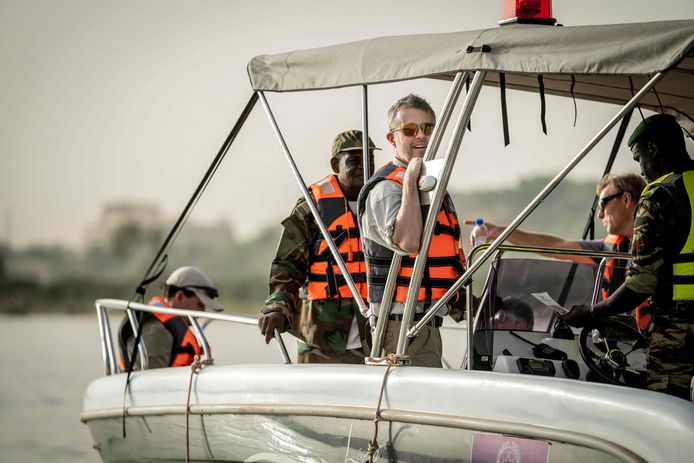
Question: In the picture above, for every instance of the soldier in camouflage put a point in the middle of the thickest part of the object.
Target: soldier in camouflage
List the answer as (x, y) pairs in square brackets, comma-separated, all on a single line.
[(329, 324), (663, 265)]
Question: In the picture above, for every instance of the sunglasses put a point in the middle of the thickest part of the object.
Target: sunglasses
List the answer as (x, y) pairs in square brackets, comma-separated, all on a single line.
[(411, 130), (212, 293), (602, 203)]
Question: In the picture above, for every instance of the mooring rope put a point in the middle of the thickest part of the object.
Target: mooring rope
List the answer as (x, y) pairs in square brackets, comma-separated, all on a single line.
[(392, 361), (195, 368)]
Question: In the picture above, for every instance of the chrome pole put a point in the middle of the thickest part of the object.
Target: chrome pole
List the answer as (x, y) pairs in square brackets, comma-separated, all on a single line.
[(445, 116), (200, 335), (598, 281), (365, 132), (282, 347), (384, 310), (437, 200), (474, 266), (106, 355), (144, 359), (430, 153), (558, 178), (302, 185)]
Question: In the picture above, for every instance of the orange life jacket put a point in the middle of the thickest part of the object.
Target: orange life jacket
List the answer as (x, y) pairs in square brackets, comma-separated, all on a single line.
[(325, 280), (614, 274), (184, 348), (445, 259)]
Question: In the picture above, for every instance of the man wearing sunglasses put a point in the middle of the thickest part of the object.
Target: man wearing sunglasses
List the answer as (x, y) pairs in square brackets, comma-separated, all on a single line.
[(168, 339), (618, 195), (391, 221), (663, 266), (329, 322)]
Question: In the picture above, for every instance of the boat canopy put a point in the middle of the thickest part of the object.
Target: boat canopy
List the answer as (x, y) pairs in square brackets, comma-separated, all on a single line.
[(606, 63)]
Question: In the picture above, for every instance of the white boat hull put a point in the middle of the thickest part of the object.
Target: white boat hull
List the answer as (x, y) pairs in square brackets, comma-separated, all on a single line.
[(266, 413)]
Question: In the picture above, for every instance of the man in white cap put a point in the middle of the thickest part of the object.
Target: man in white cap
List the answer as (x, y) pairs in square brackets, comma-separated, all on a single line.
[(169, 341)]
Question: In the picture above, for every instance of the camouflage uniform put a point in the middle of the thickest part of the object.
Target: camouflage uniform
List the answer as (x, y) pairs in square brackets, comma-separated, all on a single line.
[(662, 224), (322, 325)]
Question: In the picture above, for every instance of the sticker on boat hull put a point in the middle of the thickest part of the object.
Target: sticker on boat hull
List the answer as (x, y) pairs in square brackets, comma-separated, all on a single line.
[(491, 448)]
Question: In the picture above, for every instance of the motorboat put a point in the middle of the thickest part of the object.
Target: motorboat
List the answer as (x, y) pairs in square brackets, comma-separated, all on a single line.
[(538, 393)]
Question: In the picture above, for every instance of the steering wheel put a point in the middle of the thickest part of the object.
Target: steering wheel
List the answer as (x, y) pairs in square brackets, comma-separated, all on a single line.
[(614, 352)]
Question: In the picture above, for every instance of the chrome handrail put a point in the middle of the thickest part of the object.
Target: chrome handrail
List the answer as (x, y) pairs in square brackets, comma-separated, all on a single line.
[(466, 279), (109, 354)]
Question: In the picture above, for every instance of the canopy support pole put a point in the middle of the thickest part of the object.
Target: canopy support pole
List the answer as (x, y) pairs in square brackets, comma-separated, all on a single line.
[(430, 153), (314, 210), (531, 207), (365, 132), (437, 200), (590, 229), (201, 187)]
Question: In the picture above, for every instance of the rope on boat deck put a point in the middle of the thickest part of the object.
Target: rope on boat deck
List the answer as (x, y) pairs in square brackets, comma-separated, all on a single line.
[(391, 361), (195, 368)]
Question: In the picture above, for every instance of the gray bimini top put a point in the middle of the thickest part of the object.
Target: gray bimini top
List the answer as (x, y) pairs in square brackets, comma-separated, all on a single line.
[(608, 63)]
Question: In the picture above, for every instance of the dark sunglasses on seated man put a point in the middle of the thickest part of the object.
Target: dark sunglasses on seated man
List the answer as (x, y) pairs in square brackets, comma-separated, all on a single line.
[(602, 203), (212, 293), (411, 130)]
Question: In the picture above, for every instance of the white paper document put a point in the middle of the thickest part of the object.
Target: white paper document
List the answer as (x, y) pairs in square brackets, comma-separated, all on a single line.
[(547, 300), (431, 169)]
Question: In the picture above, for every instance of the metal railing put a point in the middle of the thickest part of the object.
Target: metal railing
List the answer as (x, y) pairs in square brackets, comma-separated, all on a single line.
[(110, 352)]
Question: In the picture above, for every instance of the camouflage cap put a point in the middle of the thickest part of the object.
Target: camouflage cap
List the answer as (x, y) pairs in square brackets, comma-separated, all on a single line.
[(350, 140), (663, 126)]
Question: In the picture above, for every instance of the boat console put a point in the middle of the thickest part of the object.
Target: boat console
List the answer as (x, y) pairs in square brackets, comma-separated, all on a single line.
[(517, 330)]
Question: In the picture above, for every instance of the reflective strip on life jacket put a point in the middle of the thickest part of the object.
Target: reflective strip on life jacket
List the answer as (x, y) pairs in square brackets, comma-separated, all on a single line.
[(325, 279), (683, 266), (683, 263), (445, 259)]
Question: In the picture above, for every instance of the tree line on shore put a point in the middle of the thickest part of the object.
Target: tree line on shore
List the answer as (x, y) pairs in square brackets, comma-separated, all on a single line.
[(62, 280)]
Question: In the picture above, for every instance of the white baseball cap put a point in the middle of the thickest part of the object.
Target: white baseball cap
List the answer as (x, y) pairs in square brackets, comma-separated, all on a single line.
[(193, 279)]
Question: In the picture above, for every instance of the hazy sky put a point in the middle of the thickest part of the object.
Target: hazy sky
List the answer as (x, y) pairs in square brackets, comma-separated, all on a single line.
[(130, 101)]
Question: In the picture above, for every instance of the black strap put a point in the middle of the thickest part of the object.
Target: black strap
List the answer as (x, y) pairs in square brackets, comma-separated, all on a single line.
[(142, 287), (589, 230), (541, 84), (444, 229), (331, 290), (631, 88), (133, 358), (573, 97), (683, 258), (683, 279), (357, 256), (409, 261), (338, 239), (339, 279), (660, 103), (467, 90), (405, 281), (426, 282), (160, 257), (504, 113)]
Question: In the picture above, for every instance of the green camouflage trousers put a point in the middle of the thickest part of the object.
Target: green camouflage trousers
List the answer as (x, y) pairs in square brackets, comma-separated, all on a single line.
[(670, 355), (324, 328), (425, 350)]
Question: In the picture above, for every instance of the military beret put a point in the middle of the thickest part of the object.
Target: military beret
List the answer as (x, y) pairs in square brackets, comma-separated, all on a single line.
[(351, 140), (664, 126)]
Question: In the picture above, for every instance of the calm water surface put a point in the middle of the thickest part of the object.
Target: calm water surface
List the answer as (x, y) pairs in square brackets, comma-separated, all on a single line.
[(48, 362), (50, 359)]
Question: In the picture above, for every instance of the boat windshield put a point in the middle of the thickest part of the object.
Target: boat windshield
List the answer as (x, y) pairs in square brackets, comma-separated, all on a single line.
[(517, 330)]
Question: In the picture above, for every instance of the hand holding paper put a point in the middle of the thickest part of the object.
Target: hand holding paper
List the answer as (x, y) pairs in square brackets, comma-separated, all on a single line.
[(547, 300)]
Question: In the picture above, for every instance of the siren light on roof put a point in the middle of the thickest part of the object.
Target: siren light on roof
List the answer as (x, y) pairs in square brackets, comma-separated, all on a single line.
[(527, 12)]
